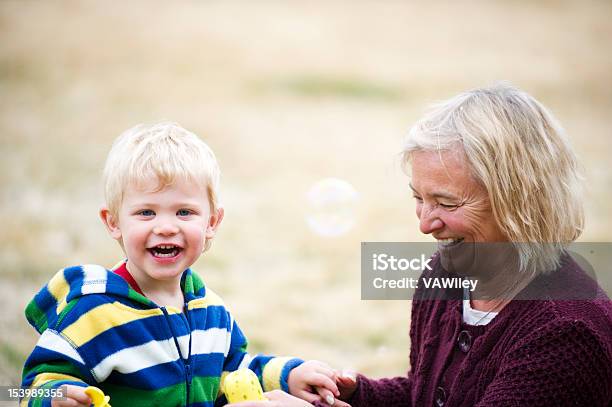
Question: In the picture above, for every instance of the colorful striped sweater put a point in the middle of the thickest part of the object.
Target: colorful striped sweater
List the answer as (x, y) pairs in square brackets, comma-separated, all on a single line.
[(96, 330)]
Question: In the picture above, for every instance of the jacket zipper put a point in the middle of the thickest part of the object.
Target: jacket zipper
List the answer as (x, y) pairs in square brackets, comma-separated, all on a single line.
[(188, 367), (186, 361)]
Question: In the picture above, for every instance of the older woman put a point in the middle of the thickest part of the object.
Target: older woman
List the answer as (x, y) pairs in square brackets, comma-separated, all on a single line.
[(494, 176)]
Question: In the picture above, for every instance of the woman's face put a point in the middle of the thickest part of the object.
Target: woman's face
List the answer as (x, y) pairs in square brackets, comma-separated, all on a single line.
[(450, 204)]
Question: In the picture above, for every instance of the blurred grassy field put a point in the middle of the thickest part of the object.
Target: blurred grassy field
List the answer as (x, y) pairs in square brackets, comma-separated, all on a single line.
[(286, 93)]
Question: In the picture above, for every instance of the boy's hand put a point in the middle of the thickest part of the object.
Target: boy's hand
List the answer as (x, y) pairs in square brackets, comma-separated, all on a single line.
[(315, 374), (75, 397)]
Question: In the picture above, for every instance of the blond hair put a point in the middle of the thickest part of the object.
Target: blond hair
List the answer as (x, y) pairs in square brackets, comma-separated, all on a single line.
[(163, 151), (518, 151)]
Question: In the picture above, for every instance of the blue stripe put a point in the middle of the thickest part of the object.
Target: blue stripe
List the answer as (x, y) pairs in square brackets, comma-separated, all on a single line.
[(74, 275), (83, 306), (208, 364), (46, 302), (44, 355), (210, 317), (258, 363), (293, 363), (124, 336), (144, 330), (152, 378)]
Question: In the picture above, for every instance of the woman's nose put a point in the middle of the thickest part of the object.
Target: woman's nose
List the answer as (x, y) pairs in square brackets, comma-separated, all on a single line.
[(428, 222)]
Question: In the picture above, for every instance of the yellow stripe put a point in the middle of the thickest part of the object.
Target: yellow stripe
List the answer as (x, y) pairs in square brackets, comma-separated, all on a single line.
[(59, 289), (47, 377), (210, 299), (102, 318), (272, 373)]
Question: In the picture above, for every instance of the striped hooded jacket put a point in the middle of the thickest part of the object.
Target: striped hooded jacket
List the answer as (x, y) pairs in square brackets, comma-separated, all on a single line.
[(96, 330)]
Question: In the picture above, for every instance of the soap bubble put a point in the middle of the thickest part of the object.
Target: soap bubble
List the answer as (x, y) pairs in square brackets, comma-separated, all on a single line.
[(332, 207)]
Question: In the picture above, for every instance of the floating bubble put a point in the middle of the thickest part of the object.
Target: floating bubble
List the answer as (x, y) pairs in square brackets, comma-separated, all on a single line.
[(332, 207)]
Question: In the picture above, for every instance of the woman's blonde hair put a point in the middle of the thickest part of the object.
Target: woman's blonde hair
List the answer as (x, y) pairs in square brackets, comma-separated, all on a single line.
[(165, 152), (518, 151)]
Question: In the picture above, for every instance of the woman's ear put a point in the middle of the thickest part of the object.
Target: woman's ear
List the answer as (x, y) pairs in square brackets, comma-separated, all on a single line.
[(111, 223), (213, 223)]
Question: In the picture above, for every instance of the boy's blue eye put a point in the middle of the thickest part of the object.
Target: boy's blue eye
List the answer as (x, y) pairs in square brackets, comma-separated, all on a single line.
[(183, 212), (146, 212)]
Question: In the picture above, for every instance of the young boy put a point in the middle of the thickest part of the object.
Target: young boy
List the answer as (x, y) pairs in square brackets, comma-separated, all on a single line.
[(149, 332)]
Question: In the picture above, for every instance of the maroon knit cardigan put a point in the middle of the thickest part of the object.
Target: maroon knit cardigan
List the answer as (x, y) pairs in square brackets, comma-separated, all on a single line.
[(534, 353)]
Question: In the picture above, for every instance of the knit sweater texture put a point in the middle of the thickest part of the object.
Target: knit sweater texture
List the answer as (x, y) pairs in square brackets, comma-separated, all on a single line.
[(534, 353), (96, 330)]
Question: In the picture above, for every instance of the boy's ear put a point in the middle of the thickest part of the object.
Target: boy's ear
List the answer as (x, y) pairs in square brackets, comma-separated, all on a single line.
[(213, 223), (111, 223)]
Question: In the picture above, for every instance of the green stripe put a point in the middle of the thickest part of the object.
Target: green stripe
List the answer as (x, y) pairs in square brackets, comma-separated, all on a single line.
[(205, 388), (36, 316), (136, 296), (126, 396), (202, 389), (188, 284), (66, 310), (59, 367), (35, 402), (198, 284)]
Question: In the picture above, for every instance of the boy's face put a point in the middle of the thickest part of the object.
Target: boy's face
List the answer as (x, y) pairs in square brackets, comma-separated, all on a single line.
[(164, 232)]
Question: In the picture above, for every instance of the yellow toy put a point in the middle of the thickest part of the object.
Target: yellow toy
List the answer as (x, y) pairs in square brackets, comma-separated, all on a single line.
[(97, 397), (242, 385)]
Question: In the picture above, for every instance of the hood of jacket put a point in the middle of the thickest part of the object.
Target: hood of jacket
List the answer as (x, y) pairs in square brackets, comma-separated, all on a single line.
[(57, 297)]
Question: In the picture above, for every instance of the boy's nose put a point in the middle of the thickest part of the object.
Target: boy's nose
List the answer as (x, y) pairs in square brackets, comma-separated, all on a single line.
[(165, 229)]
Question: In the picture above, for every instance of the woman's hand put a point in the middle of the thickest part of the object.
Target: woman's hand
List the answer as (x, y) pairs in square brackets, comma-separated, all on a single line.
[(279, 398), (75, 397), (347, 383), (276, 398)]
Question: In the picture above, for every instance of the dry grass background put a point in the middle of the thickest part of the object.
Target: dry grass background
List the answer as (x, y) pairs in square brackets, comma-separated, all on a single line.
[(285, 93)]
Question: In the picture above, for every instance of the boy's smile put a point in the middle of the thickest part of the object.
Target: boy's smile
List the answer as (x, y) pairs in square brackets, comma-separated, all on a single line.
[(163, 232), (165, 252)]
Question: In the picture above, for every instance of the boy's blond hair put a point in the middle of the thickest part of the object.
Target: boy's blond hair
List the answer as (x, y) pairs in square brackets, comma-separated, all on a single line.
[(164, 151)]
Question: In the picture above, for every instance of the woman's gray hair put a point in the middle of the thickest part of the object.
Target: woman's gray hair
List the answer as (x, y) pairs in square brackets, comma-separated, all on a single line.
[(518, 151)]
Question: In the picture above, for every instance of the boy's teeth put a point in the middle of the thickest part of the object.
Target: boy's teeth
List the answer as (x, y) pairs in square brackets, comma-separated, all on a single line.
[(171, 254), (165, 250)]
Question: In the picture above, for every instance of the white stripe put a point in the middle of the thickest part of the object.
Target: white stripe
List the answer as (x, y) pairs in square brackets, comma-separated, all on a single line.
[(136, 358), (94, 279), (212, 340), (53, 341), (246, 361)]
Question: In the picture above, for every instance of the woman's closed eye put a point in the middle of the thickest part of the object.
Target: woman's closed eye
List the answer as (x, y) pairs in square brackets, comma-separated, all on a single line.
[(448, 206)]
